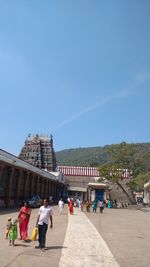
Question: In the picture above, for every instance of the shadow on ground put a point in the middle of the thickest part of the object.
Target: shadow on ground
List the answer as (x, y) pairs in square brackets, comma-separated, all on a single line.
[(55, 247)]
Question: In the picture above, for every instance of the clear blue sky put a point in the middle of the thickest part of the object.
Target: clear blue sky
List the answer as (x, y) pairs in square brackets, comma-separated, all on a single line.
[(79, 70)]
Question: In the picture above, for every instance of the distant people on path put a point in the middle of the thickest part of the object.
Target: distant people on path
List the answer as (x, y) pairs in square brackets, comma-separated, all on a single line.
[(71, 205), (23, 218), (44, 216), (109, 204), (101, 206), (78, 201), (115, 203), (12, 232), (8, 227), (94, 206), (87, 205), (81, 205), (60, 205)]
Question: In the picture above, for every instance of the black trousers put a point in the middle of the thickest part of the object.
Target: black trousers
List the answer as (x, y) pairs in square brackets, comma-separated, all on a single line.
[(42, 229)]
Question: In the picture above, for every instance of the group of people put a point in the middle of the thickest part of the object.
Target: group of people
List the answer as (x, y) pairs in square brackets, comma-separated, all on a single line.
[(100, 204), (71, 204), (23, 220), (87, 204), (43, 219), (75, 203)]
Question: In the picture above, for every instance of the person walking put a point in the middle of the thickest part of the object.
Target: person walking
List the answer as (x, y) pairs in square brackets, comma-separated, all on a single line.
[(109, 204), (8, 227), (60, 205), (23, 218), (94, 206), (44, 216), (12, 232), (81, 205), (101, 206), (71, 205)]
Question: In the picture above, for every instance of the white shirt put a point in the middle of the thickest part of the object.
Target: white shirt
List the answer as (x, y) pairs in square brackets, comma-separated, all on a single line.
[(101, 204), (44, 213), (61, 203)]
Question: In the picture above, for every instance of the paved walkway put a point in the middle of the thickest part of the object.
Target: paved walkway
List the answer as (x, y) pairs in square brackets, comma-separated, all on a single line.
[(83, 245), (127, 234), (25, 254), (78, 240)]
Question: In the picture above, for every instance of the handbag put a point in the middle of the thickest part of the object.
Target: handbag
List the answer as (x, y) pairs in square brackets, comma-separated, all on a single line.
[(34, 234)]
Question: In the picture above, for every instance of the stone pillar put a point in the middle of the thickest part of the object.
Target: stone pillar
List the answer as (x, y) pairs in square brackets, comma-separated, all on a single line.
[(32, 184), (2, 169), (37, 182), (26, 187), (2, 198), (58, 190), (42, 188), (92, 195), (19, 176), (47, 188), (9, 188), (52, 189)]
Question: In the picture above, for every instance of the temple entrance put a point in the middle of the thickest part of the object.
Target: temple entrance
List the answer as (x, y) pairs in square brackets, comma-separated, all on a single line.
[(99, 194)]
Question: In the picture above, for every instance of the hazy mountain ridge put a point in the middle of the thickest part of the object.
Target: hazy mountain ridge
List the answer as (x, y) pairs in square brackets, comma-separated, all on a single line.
[(96, 156)]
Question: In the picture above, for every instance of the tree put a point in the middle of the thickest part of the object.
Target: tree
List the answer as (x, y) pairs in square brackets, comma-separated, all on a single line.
[(121, 157), (138, 182), (113, 173)]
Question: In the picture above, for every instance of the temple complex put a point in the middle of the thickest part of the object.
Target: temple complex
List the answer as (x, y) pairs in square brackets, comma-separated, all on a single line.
[(38, 150), (86, 183), (20, 180)]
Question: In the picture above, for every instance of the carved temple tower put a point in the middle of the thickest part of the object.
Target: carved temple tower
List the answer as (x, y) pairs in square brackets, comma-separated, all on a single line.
[(38, 150)]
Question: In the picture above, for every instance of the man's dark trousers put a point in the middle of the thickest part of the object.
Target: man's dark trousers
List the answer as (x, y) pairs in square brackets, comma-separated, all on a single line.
[(42, 229)]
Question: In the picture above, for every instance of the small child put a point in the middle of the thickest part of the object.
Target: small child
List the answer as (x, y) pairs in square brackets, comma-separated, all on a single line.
[(12, 232), (7, 227)]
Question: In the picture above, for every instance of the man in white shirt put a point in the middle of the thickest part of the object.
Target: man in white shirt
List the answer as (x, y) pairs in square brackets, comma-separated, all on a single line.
[(44, 216)]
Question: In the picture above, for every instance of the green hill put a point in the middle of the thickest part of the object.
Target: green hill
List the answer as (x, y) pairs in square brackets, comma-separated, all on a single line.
[(96, 156)]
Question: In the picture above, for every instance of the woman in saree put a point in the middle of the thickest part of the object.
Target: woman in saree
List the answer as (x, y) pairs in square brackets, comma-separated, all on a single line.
[(70, 205), (23, 218)]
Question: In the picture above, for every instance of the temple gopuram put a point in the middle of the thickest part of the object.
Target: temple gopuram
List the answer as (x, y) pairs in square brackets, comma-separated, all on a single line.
[(38, 150), (32, 173)]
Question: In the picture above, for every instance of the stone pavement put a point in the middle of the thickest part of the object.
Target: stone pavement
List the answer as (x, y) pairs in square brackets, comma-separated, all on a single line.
[(85, 246), (25, 254), (127, 234), (81, 243)]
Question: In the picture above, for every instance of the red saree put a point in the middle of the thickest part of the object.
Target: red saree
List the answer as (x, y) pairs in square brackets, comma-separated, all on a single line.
[(23, 217), (71, 207)]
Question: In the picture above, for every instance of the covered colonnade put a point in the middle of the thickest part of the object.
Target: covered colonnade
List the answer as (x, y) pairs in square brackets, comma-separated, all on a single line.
[(20, 180)]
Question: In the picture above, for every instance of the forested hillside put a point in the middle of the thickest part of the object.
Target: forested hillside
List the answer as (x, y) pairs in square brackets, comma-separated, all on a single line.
[(134, 157), (96, 156)]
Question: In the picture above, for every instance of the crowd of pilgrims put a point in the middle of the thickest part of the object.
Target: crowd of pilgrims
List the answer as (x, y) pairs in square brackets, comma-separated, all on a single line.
[(25, 212), (85, 205), (94, 205)]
